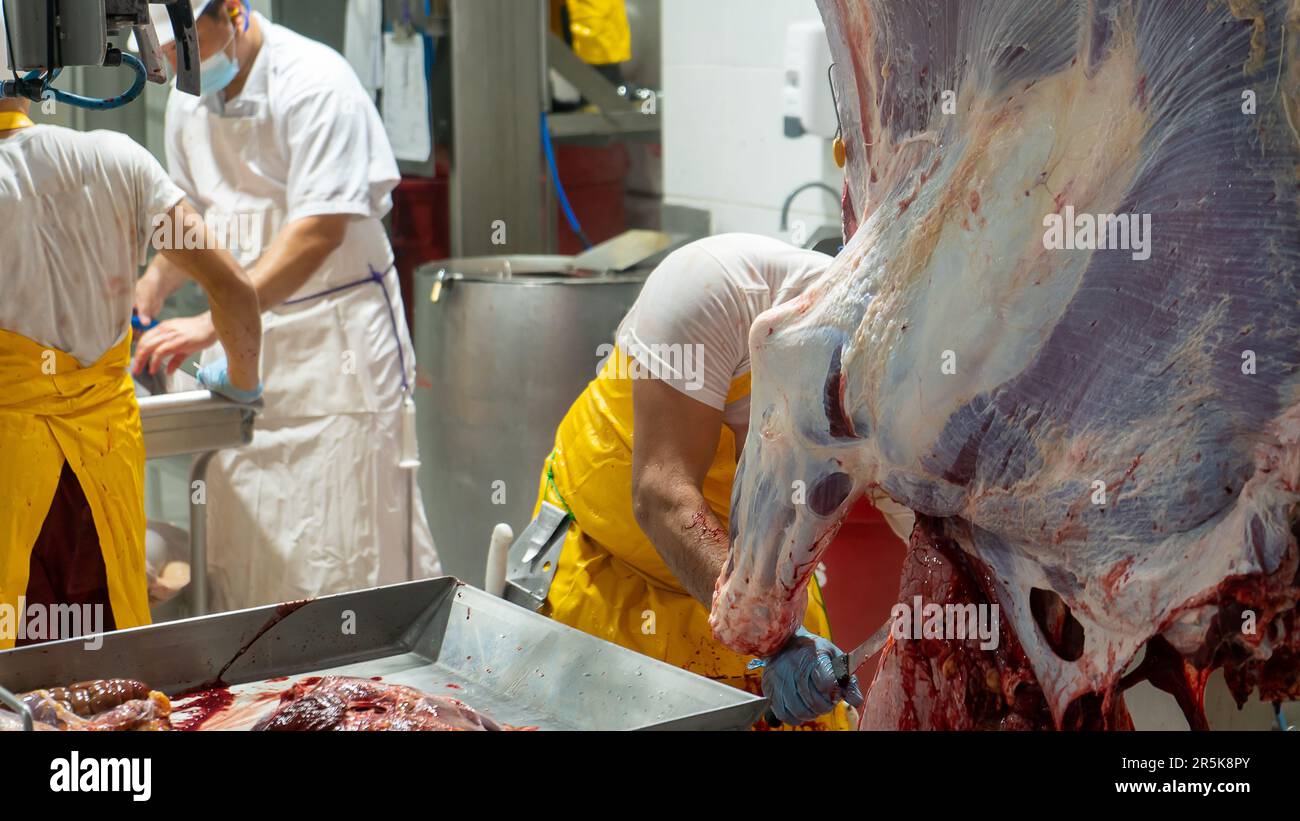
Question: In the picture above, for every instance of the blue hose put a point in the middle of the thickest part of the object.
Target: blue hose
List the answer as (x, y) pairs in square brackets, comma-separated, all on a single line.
[(559, 186), (92, 103)]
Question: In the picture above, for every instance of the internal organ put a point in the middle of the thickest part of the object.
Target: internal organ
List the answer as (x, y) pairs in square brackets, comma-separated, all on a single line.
[(340, 703), (90, 698), (1107, 443), (96, 706)]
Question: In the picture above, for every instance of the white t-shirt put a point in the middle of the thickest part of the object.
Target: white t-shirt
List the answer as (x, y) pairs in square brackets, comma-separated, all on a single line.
[(76, 217), (690, 326), (302, 139)]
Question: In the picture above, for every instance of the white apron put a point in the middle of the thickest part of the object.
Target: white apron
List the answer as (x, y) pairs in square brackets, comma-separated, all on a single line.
[(317, 503)]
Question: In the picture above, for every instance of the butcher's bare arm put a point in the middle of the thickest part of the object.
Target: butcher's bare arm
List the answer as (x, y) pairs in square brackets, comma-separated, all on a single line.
[(299, 250), (296, 253), (162, 279), (674, 442), (236, 315)]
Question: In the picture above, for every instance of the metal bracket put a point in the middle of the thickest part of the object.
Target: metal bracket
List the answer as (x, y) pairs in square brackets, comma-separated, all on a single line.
[(590, 83), (24, 712), (617, 115), (534, 558)]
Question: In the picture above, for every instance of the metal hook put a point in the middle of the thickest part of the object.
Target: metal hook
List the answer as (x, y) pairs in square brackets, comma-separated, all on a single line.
[(837, 145), (12, 701), (830, 79)]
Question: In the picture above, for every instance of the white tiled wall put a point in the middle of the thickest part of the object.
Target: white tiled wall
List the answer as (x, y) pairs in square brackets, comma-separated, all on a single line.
[(724, 147)]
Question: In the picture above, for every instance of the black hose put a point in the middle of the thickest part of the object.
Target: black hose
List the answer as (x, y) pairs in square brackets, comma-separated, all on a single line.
[(785, 208)]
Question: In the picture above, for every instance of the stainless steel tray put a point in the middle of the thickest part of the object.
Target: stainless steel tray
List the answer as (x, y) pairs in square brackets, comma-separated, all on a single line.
[(518, 667)]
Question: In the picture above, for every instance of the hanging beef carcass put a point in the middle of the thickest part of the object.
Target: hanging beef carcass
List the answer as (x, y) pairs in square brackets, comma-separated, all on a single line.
[(1065, 331)]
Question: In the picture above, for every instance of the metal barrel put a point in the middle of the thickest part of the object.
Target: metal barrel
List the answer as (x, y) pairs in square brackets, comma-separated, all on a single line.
[(503, 352)]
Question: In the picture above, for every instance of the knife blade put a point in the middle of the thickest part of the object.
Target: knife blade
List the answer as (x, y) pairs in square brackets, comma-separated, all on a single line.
[(846, 664)]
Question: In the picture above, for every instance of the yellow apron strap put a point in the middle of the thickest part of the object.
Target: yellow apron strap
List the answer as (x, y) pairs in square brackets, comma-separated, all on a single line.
[(53, 410)]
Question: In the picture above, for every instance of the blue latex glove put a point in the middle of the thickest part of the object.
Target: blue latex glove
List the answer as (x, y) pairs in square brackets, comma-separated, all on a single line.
[(138, 324), (216, 378), (800, 681)]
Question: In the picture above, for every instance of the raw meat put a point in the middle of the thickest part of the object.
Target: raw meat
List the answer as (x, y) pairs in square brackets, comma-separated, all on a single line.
[(340, 703), (90, 698), (149, 714), (1103, 442), (96, 706)]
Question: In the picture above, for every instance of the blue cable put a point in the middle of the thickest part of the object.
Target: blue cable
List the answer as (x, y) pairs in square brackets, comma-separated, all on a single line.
[(94, 104), (559, 186)]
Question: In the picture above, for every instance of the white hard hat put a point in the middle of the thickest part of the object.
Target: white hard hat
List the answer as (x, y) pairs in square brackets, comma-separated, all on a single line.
[(162, 23)]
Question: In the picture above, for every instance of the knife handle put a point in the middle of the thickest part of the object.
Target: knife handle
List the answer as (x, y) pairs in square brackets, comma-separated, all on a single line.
[(839, 668)]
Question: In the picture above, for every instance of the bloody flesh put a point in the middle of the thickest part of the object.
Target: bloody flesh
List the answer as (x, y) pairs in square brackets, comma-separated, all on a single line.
[(354, 704), (201, 706)]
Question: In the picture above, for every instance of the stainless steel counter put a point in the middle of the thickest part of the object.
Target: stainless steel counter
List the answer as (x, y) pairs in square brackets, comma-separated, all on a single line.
[(193, 422), (198, 423)]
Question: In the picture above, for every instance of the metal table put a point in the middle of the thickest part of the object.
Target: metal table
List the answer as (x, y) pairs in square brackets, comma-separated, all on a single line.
[(437, 635), (195, 423)]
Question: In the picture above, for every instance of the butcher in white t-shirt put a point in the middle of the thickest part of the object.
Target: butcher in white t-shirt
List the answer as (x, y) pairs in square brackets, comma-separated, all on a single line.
[(644, 463), (78, 213), (702, 301)]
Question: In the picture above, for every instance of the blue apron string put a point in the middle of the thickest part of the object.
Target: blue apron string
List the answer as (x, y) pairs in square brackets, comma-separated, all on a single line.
[(392, 318), (376, 277), (345, 287)]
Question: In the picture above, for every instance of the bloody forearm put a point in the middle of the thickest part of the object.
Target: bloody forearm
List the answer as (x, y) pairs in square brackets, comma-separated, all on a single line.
[(690, 539)]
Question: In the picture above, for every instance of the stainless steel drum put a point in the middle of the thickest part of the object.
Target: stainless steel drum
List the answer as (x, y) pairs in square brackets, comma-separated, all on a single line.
[(504, 346)]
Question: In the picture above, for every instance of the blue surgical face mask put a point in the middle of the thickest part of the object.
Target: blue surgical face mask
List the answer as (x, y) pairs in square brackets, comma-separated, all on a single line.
[(218, 71)]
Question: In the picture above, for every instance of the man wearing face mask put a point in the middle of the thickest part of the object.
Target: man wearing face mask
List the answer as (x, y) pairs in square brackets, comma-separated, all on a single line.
[(287, 157)]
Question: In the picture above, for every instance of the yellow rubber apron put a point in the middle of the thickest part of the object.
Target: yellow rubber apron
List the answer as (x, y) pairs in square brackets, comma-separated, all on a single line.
[(610, 581), (53, 410)]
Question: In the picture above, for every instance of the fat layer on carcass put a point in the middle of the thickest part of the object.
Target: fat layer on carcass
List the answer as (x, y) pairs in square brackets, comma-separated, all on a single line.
[(1100, 433)]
